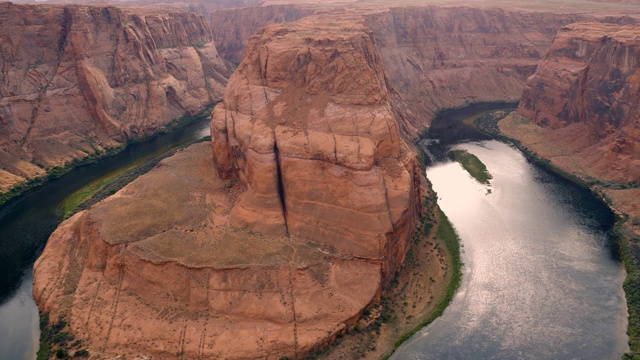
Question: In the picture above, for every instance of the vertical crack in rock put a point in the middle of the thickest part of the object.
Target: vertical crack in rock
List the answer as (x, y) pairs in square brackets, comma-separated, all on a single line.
[(281, 186)]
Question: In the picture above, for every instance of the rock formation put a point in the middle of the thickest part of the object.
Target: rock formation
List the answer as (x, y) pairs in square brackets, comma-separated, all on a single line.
[(232, 28), (435, 57), (585, 96), (440, 58), (275, 246), (78, 79)]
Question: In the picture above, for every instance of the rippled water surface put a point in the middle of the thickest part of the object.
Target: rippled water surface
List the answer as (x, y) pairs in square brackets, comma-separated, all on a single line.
[(541, 277)]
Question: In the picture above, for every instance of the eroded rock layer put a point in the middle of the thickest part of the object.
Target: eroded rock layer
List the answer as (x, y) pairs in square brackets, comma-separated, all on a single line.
[(307, 125), (78, 79), (232, 28), (435, 57), (275, 245), (584, 96), (441, 57)]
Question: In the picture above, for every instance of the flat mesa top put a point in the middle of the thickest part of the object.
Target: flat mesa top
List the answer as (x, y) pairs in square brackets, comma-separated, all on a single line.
[(592, 31), (178, 213)]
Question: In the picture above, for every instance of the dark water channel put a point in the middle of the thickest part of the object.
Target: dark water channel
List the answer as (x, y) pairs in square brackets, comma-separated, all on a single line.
[(27, 221), (542, 278)]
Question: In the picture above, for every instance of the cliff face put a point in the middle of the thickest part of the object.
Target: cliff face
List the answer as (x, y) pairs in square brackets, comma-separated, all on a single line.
[(273, 248), (77, 79), (435, 57), (232, 28), (440, 58), (307, 126), (586, 93)]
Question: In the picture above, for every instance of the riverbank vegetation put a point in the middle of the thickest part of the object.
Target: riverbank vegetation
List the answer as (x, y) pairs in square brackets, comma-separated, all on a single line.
[(472, 165), (57, 342), (97, 155), (102, 188), (419, 293)]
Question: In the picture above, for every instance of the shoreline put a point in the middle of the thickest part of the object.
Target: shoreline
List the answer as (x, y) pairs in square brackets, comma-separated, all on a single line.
[(621, 232), (57, 171), (420, 292)]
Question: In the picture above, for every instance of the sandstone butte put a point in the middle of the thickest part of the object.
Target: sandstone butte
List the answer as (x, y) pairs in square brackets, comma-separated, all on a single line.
[(272, 246), (583, 102), (78, 79)]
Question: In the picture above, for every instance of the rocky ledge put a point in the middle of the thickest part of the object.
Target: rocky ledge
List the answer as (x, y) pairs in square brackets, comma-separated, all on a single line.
[(583, 102), (78, 79), (272, 247)]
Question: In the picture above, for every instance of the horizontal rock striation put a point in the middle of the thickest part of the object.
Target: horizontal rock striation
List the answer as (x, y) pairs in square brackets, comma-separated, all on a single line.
[(273, 248), (307, 126), (446, 57), (232, 28), (586, 93), (78, 79), (435, 57)]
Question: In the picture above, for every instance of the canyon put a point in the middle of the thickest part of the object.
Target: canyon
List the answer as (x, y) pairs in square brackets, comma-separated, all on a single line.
[(579, 112), (274, 245), (274, 238), (584, 97), (78, 80), (435, 57)]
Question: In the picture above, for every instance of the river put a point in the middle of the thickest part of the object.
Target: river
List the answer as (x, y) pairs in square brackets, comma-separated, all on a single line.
[(541, 279), (27, 221)]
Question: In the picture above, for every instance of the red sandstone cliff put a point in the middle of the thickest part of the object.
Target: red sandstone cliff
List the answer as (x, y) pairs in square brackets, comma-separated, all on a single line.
[(273, 248), (439, 57), (232, 28), (307, 125), (435, 57), (77, 79), (586, 93)]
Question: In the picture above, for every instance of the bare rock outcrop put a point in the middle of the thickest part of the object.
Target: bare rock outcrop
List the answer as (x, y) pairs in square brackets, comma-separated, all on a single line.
[(446, 57), (271, 249), (585, 96), (435, 57), (232, 28), (307, 126), (78, 79)]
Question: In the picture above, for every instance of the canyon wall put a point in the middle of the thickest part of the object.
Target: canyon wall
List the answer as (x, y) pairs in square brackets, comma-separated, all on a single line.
[(307, 125), (232, 28), (585, 95), (439, 57), (435, 57), (78, 79), (272, 246)]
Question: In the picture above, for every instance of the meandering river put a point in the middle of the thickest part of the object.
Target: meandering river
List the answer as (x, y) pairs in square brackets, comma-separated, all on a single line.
[(542, 279), (27, 221)]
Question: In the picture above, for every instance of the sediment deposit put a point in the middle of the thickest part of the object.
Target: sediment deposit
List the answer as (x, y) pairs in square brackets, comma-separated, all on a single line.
[(79, 79), (275, 245)]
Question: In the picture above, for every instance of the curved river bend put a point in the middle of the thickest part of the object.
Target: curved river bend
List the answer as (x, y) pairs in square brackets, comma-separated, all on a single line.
[(27, 221), (541, 278)]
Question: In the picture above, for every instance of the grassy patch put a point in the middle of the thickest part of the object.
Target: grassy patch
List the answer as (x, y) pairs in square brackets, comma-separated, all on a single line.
[(473, 165), (58, 171), (55, 339), (71, 203), (630, 249), (445, 232)]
